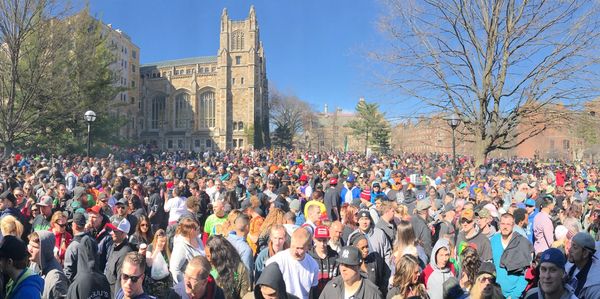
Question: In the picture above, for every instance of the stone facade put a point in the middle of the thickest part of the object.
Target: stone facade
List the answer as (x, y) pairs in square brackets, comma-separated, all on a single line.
[(217, 102)]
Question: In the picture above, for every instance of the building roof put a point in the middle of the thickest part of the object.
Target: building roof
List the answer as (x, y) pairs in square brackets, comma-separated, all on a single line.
[(182, 61)]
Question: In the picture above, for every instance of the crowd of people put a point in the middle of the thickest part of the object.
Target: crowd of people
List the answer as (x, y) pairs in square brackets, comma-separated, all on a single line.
[(291, 224)]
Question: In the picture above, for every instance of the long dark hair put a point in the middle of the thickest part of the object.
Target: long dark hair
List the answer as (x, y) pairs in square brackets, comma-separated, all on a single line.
[(225, 259), (138, 229)]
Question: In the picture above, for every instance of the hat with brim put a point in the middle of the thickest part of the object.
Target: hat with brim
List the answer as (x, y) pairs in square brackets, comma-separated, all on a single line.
[(423, 205), (349, 255)]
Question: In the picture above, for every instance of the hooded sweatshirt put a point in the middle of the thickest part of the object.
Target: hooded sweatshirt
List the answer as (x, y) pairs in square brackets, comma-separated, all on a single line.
[(433, 276), (56, 282), (89, 282), (272, 277)]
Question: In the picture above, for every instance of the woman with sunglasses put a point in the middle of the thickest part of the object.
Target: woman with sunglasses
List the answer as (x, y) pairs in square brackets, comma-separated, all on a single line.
[(58, 225), (142, 234)]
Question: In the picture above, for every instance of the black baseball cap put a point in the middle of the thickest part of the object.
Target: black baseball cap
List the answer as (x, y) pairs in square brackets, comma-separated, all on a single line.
[(13, 248), (349, 255)]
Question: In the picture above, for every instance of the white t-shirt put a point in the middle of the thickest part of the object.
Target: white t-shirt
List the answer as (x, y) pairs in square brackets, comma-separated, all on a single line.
[(299, 276), (175, 207)]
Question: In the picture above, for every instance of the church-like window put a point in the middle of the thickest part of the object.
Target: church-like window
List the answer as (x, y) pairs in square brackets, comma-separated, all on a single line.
[(182, 111), (158, 112), (207, 109), (237, 40)]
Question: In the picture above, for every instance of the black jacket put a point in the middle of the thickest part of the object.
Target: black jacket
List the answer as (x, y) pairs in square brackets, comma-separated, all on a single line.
[(377, 272), (517, 255), (328, 267), (89, 282), (332, 202), (116, 255)]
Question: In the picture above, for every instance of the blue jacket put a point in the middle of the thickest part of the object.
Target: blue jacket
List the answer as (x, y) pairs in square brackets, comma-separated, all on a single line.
[(512, 284), (28, 285), (355, 194)]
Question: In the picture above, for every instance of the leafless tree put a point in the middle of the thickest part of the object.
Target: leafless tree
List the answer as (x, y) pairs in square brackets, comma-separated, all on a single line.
[(509, 69), (289, 115)]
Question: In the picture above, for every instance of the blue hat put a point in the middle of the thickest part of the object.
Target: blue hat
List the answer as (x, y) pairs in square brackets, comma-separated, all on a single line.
[(350, 179), (530, 202), (520, 205), (554, 256)]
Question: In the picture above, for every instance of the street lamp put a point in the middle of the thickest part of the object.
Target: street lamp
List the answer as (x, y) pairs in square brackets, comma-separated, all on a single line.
[(453, 122), (90, 117)]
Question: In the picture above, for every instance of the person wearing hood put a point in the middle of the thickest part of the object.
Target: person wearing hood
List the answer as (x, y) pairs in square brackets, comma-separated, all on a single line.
[(439, 269), (470, 235), (43, 262), (270, 285), (88, 281), (376, 191), (350, 284), (512, 256), (22, 283), (552, 273), (377, 239), (197, 282)]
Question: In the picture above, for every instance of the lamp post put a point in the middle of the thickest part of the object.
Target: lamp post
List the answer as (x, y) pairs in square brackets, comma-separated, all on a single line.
[(453, 122), (90, 117)]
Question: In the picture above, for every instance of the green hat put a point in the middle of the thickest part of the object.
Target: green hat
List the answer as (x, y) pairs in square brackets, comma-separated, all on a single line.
[(592, 189)]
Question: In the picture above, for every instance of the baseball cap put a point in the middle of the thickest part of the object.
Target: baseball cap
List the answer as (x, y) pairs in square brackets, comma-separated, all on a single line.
[(584, 240), (303, 178), (122, 201), (94, 209), (554, 256), (78, 192), (79, 219), (484, 213), (520, 196), (467, 214), (295, 205), (321, 232), (364, 213), (530, 202), (350, 179), (423, 205), (8, 195), (121, 225), (13, 248), (349, 255), (45, 201), (487, 268), (333, 181)]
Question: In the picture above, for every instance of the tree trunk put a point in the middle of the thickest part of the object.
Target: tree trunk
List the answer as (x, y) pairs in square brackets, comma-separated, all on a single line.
[(8, 148), (480, 151)]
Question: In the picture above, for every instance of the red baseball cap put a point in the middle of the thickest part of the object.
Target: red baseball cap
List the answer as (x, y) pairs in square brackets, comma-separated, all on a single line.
[(333, 181), (303, 178), (94, 209), (321, 232)]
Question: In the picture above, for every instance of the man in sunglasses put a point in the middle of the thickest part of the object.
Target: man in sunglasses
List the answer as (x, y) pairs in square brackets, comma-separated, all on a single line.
[(132, 277), (470, 235), (117, 252)]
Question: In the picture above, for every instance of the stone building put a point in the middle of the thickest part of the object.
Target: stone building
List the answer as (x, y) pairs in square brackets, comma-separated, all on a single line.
[(217, 102)]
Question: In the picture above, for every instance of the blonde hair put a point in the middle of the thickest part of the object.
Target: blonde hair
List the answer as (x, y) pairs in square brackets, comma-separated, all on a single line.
[(10, 226)]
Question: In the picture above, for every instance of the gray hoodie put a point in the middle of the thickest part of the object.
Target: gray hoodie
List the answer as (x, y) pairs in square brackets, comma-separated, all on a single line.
[(55, 281), (433, 276)]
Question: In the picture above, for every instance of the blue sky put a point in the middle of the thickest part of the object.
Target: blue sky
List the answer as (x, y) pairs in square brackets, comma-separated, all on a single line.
[(316, 50)]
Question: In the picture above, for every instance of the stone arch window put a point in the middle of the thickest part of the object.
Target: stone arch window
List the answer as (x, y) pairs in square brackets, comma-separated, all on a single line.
[(237, 40), (157, 114), (207, 109), (182, 110), (240, 125)]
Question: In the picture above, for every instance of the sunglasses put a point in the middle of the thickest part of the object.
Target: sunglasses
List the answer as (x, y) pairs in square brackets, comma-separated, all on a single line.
[(134, 279), (465, 220), (61, 225), (34, 210)]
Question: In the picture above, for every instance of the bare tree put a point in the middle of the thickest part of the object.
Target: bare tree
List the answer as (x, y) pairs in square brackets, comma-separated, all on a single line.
[(28, 50), (509, 69), (289, 116)]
